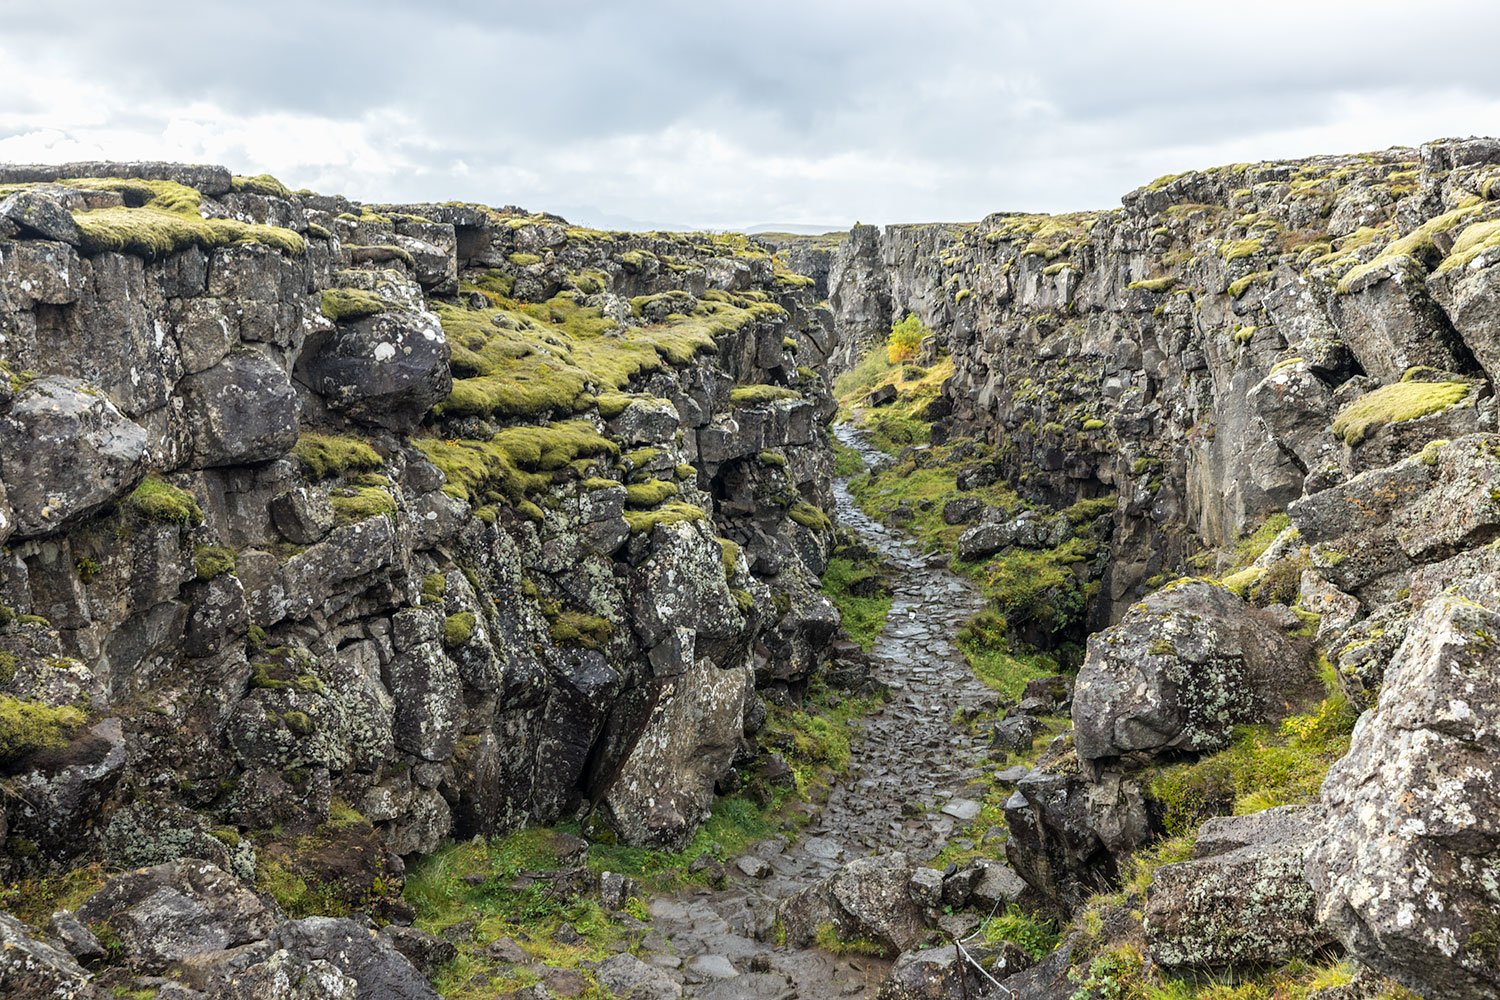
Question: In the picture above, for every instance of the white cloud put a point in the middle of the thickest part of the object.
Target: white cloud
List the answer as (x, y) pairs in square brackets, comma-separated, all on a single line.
[(668, 112)]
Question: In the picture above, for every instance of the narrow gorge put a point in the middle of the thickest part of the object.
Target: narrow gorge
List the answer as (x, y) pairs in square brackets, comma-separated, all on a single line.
[(446, 600)]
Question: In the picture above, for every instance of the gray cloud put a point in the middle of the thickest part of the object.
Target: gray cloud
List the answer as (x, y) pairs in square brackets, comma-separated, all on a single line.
[(666, 111)]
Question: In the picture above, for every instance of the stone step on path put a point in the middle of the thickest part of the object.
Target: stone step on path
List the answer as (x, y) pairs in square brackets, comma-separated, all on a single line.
[(910, 785)]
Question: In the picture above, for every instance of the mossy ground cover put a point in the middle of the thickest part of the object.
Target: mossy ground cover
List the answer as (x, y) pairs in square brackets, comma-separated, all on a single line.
[(902, 422), (157, 500), (327, 455), (162, 217), (518, 885), (1392, 404), (855, 583), (519, 359)]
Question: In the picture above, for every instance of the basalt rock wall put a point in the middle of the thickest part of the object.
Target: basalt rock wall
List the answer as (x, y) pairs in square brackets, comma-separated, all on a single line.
[(452, 517), (1189, 350)]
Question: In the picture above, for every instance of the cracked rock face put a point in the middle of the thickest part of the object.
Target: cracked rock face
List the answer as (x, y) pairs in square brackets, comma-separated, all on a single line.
[(1408, 874), (65, 452), (387, 370)]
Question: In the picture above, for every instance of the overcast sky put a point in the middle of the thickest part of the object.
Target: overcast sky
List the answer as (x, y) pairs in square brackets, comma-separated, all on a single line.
[(723, 115)]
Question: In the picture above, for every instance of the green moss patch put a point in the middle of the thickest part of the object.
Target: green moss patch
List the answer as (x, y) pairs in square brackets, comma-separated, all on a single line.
[(641, 521), (358, 503), (758, 395), (348, 304), (649, 493), (1392, 404), (157, 500), (516, 359), (328, 455), (458, 629), (262, 184), (514, 462), (210, 561), (29, 726)]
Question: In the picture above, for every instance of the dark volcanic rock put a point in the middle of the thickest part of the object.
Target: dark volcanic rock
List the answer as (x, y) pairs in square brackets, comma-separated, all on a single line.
[(1178, 672)]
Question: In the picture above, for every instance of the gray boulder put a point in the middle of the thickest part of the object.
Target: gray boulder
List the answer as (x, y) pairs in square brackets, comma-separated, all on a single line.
[(932, 974), (39, 215), (170, 912), (1242, 899), (30, 967), (1408, 874), (261, 971), (242, 410), (65, 452), (60, 796), (379, 970), (628, 978), (984, 540), (388, 369), (866, 899), (1178, 672), (1067, 834)]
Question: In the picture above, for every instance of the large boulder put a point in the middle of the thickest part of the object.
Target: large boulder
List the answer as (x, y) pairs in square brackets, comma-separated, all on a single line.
[(262, 971), (1408, 874), (1068, 833), (170, 912), (932, 974), (1178, 672), (41, 215), (1368, 534), (387, 369), (371, 960), (30, 967), (1241, 900), (65, 452), (865, 900), (666, 787), (242, 410), (58, 798)]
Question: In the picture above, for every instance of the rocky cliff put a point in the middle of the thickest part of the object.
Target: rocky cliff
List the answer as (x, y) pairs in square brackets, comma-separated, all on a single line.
[(1282, 375), (446, 517)]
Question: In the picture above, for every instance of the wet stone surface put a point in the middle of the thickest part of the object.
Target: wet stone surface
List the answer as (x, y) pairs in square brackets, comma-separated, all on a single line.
[(913, 780)]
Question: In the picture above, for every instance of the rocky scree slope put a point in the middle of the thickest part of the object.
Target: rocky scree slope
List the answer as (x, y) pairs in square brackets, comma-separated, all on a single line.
[(1301, 357), (334, 532)]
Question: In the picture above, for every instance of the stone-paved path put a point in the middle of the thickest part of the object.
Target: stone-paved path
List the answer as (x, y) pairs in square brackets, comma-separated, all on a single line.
[(914, 778)]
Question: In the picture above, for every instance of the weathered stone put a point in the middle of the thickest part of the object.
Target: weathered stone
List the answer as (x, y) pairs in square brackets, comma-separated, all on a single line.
[(164, 914), (242, 410), (30, 967), (380, 971), (303, 516), (865, 899), (40, 215), (1406, 875), (628, 977), (933, 974), (65, 452), (1178, 672), (1242, 900), (64, 789), (388, 369)]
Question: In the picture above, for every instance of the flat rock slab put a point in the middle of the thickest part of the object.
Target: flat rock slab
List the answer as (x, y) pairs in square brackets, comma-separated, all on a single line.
[(962, 809)]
